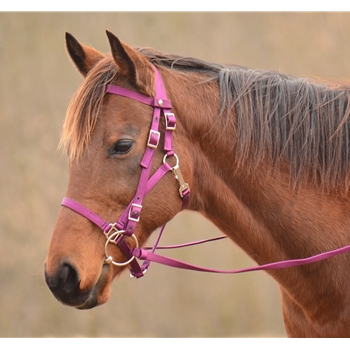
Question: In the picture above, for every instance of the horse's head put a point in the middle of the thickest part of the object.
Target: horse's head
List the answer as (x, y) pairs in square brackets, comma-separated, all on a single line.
[(106, 136)]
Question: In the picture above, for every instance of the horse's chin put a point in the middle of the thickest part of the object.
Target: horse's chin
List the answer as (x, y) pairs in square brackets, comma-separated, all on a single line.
[(100, 293), (95, 299)]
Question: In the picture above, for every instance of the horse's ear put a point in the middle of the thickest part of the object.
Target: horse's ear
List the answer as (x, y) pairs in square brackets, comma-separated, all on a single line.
[(132, 65), (84, 57)]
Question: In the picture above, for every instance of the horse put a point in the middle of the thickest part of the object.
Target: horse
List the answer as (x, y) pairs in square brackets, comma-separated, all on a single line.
[(263, 155)]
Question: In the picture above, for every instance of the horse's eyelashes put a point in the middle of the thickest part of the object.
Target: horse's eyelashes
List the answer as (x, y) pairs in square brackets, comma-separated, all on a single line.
[(121, 147)]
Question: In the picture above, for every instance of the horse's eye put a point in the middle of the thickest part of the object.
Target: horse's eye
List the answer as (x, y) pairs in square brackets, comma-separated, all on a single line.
[(121, 147)]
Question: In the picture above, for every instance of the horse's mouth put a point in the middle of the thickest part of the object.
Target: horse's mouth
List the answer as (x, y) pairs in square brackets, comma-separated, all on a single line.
[(100, 292), (91, 301), (86, 299)]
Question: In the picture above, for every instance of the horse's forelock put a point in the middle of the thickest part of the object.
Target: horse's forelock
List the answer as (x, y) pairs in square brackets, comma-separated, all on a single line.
[(84, 109)]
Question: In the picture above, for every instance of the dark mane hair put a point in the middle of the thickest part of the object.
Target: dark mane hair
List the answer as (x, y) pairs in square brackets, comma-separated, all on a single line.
[(291, 119), (279, 118)]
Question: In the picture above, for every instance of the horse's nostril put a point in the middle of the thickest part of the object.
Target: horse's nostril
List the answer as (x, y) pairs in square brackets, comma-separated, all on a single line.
[(64, 284), (65, 281), (69, 280)]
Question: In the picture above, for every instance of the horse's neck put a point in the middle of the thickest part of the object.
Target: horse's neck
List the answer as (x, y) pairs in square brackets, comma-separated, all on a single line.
[(258, 209), (261, 213), (271, 222)]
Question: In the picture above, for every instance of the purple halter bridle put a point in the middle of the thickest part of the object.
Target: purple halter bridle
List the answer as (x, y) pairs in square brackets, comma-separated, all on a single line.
[(127, 222), (125, 226)]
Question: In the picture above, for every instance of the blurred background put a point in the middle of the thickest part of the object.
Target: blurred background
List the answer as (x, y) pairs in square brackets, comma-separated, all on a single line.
[(37, 82)]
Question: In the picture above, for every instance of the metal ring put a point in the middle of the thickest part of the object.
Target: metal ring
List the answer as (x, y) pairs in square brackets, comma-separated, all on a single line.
[(176, 157), (109, 258)]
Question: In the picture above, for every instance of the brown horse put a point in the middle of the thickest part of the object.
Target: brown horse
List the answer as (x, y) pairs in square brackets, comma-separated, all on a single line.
[(266, 157)]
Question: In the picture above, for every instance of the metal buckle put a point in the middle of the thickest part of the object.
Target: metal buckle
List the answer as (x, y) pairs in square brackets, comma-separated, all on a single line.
[(130, 217), (168, 126), (152, 134), (111, 238)]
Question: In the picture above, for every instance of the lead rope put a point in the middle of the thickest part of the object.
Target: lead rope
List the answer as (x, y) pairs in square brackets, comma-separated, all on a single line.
[(146, 262), (143, 254)]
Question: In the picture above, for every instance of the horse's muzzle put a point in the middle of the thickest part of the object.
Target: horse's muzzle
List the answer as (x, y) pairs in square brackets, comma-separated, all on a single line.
[(65, 286)]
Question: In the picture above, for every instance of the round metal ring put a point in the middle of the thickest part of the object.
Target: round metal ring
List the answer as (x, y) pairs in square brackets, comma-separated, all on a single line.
[(109, 258), (176, 157)]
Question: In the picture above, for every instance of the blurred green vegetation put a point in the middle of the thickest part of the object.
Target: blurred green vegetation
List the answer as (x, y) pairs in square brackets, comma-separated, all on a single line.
[(37, 82)]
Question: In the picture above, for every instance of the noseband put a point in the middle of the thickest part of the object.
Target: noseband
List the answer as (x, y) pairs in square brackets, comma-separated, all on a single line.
[(125, 226), (115, 232)]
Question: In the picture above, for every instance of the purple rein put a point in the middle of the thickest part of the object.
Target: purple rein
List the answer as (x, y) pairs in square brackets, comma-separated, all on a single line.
[(127, 222)]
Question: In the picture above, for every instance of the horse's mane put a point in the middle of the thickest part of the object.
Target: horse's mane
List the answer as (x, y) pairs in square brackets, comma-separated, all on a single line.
[(291, 120), (278, 117), (281, 118)]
